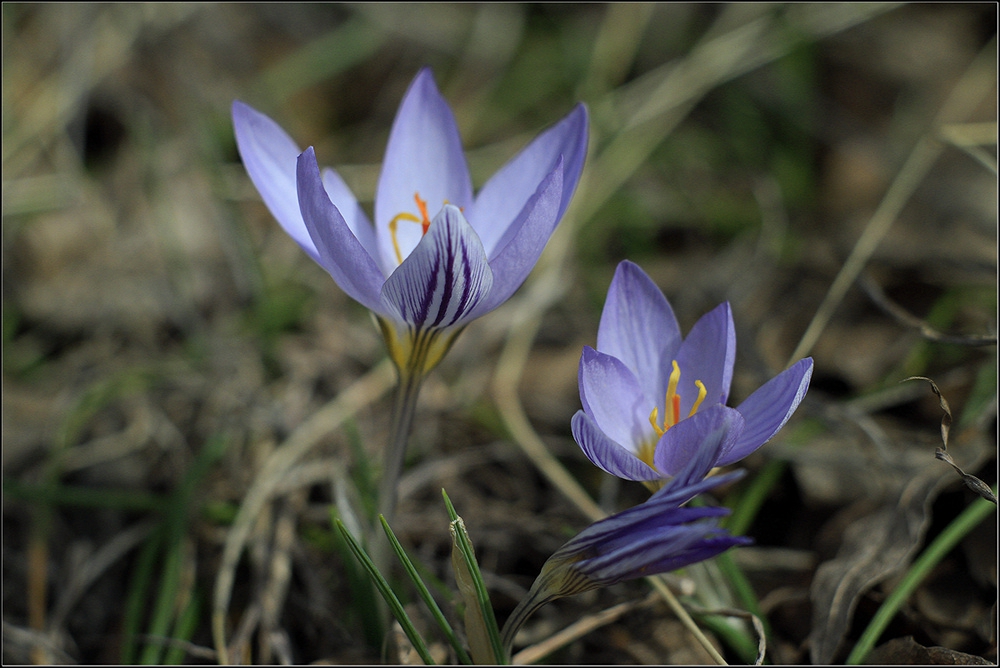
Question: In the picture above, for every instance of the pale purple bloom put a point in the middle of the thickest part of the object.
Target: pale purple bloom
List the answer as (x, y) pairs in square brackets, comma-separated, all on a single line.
[(436, 257), (644, 386), (654, 537)]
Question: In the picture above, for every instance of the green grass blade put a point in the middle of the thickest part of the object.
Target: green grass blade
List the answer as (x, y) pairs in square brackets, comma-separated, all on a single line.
[(425, 593), (138, 590), (176, 529), (390, 596), (977, 511), (363, 600), (754, 497), (738, 583), (184, 629), (473, 588), (84, 497)]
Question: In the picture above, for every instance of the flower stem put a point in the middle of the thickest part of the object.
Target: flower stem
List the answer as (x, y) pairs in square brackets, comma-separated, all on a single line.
[(403, 409)]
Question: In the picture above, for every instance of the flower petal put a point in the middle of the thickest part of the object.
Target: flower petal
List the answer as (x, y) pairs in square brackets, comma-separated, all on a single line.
[(354, 215), (612, 396), (708, 354), (768, 409), (639, 328), (423, 157), (516, 256), (269, 156), (691, 447), (606, 454), (498, 203), (339, 251), (676, 538), (443, 279)]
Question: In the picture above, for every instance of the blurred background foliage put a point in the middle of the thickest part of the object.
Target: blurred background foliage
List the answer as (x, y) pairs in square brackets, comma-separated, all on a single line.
[(162, 336)]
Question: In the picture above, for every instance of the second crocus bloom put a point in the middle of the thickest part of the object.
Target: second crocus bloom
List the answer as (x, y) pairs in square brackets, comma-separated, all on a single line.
[(644, 383), (436, 257)]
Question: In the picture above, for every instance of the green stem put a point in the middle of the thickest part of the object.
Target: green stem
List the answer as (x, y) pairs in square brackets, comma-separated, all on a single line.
[(946, 540), (403, 410)]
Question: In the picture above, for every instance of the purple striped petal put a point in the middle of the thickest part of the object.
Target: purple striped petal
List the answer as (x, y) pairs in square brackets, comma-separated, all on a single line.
[(507, 192), (423, 157), (443, 279), (517, 256), (612, 396), (606, 454), (340, 252), (639, 328), (269, 156), (708, 354), (768, 409)]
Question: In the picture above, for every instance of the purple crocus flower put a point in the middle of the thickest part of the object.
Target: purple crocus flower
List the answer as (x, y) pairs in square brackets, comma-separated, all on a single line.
[(643, 385), (436, 257), (654, 537)]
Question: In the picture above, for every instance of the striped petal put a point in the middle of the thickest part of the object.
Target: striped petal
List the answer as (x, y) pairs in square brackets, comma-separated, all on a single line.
[(443, 279)]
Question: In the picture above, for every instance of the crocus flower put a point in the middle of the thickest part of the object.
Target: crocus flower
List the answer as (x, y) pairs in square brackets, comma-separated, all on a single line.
[(644, 381), (654, 537), (436, 257)]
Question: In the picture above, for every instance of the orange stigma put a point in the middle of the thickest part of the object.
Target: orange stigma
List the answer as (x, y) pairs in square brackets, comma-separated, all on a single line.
[(424, 221)]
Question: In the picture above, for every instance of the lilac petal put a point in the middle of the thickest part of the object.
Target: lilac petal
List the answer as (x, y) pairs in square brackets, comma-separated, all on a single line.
[(708, 354), (606, 454), (612, 396), (269, 156), (768, 409), (691, 447), (507, 191), (424, 157), (443, 279), (682, 541), (639, 328), (614, 531), (515, 259), (708, 544), (354, 215), (679, 494), (340, 252)]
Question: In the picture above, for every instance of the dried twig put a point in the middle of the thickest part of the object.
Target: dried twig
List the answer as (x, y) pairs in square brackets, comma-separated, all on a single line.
[(971, 481), (877, 295), (578, 629)]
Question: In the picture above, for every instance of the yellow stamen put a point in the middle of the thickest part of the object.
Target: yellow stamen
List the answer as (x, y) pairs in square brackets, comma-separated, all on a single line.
[(652, 420), (424, 222), (701, 396), (672, 403), (671, 417), (646, 452)]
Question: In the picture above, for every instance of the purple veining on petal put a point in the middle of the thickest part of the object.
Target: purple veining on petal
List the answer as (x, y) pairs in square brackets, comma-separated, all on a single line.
[(444, 277)]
